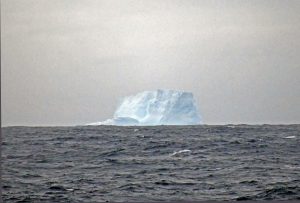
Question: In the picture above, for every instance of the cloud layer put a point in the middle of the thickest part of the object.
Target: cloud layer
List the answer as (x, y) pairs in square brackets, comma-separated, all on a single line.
[(69, 62)]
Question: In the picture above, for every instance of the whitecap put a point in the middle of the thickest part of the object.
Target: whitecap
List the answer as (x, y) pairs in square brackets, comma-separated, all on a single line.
[(184, 151), (290, 137)]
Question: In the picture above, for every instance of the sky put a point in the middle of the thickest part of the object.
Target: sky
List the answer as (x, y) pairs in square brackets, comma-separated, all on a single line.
[(69, 62)]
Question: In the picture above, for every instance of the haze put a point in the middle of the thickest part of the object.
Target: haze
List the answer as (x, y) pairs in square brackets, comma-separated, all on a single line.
[(70, 62)]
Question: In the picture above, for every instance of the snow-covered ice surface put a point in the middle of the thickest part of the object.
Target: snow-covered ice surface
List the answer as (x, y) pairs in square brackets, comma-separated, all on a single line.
[(159, 107)]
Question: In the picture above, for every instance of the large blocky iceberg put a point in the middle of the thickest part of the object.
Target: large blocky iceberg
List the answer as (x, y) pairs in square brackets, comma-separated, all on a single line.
[(159, 107)]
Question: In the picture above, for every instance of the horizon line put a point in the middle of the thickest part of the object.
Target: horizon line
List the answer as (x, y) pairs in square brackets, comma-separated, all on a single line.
[(203, 124)]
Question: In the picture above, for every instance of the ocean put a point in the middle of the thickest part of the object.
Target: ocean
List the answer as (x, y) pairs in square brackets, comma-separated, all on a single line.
[(158, 163)]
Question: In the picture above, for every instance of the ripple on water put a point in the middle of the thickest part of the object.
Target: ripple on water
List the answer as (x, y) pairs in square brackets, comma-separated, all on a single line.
[(110, 163)]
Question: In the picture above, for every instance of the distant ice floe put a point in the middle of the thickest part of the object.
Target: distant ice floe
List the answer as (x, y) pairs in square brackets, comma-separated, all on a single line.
[(159, 107)]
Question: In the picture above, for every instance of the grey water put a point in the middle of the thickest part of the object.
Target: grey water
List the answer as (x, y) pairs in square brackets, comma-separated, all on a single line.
[(159, 163)]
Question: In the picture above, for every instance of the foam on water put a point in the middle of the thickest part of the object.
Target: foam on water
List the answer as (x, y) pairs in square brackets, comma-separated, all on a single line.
[(290, 137), (184, 151)]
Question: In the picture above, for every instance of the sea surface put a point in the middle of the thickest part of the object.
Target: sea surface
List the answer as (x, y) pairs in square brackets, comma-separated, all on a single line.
[(159, 163)]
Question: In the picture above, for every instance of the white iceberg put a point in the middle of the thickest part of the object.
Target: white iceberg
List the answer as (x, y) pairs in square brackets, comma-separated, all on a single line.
[(160, 107)]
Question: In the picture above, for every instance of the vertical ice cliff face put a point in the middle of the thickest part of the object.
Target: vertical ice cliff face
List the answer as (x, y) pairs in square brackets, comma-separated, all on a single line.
[(160, 107)]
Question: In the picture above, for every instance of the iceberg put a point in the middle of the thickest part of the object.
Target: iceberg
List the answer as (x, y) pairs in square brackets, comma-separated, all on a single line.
[(159, 107)]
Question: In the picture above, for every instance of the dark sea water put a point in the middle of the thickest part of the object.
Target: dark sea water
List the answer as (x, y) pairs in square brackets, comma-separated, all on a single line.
[(105, 163)]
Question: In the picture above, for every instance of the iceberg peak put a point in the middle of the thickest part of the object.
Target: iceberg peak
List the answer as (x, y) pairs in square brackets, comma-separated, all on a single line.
[(159, 107)]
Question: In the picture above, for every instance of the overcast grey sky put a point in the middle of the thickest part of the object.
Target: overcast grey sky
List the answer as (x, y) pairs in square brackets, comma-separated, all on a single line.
[(67, 62)]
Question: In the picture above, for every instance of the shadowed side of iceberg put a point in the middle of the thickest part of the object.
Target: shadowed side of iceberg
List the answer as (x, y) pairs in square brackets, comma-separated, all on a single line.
[(160, 107)]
